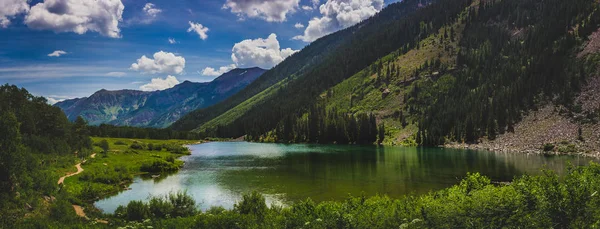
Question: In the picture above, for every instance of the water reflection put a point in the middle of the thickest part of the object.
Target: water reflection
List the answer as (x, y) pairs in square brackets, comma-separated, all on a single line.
[(217, 173)]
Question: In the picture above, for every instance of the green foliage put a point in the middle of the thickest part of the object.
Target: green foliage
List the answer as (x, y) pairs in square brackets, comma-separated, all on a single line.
[(173, 205), (137, 210), (503, 73), (252, 204), (294, 85), (105, 130), (324, 126), (160, 166), (545, 201), (548, 147), (136, 145), (104, 145), (183, 204), (36, 140)]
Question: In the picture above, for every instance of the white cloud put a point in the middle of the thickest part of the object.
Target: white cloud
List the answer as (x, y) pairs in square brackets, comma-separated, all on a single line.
[(10, 8), (268, 10), (339, 14), (163, 62), (172, 41), (57, 53), (78, 16), (199, 29), (151, 10), (53, 101), (160, 84), (299, 26), (264, 53), (315, 3), (116, 74), (307, 8), (222, 70)]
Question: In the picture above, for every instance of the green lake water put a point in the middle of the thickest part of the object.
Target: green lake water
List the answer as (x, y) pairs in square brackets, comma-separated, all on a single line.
[(218, 173)]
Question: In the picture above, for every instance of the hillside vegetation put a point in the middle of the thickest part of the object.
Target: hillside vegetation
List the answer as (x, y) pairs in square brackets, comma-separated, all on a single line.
[(451, 71)]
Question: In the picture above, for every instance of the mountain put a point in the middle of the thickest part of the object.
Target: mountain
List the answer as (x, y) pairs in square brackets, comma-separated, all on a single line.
[(318, 66), (157, 108), (431, 73)]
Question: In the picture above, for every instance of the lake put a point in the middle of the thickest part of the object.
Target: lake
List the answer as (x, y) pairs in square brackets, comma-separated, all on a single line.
[(218, 173)]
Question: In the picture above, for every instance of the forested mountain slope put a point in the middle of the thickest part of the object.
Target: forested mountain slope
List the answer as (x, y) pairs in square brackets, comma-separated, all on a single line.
[(310, 61), (453, 71), (157, 108)]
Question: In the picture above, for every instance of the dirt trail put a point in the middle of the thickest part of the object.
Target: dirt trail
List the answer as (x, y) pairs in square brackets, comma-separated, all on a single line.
[(79, 170), (78, 209)]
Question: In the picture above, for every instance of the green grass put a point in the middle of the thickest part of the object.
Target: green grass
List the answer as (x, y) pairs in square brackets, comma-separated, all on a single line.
[(241, 109), (366, 94), (110, 172)]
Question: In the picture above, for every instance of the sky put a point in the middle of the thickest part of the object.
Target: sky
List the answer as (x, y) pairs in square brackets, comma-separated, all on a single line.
[(63, 49)]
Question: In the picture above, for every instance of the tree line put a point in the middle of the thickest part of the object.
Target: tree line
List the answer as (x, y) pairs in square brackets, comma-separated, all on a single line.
[(321, 125), (514, 55)]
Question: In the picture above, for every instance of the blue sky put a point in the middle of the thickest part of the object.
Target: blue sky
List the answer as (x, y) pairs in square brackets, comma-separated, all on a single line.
[(71, 48)]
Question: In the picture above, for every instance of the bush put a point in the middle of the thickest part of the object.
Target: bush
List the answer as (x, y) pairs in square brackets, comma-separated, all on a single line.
[(61, 210), (137, 145), (103, 145), (160, 208), (548, 147), (159, 166), (170, 159), (137, 210), (183, 204), (119, 142), (252, 204)]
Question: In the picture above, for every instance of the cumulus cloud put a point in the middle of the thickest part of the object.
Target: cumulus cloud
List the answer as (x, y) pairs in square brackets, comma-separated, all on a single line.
[(10, 8), (172, 41), (315, 4), (339, 14), (198, 29), (78, 16), (307, 8), (264, 53), (214, 72), (299, 26), (163, 62), (268, 10), (116, 74), (160, 84), (151, 10), (57, 53)]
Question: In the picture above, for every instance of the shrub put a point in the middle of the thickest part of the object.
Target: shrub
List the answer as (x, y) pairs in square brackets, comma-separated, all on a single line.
[(160, 208), (170, 159), (253, 204), (103, 145), (136, 145), (183, 204), (119, 142), (137, 210), (548, 147), (159, 166)]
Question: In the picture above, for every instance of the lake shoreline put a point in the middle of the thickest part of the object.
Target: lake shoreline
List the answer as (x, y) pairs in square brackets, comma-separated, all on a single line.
[(125, 185), (509, 148)]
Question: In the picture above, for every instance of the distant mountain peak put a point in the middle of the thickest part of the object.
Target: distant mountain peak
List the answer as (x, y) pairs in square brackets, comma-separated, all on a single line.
[(157, 108)]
